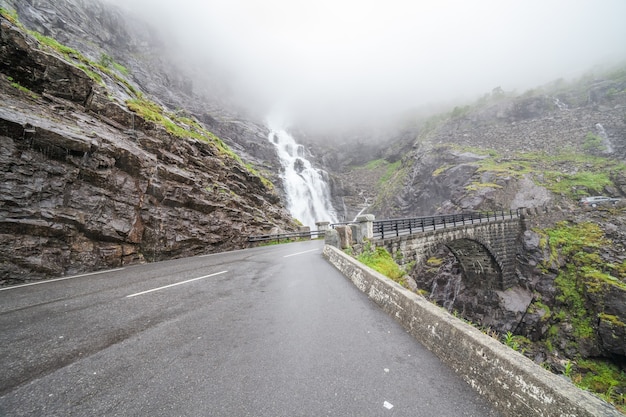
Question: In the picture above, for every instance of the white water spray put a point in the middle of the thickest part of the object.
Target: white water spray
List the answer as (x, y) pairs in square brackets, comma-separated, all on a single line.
[(308, 195)]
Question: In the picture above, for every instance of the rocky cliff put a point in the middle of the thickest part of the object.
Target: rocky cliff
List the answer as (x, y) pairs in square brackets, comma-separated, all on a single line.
[(158, 64), (544, 149), (88, 183), (505, 150)]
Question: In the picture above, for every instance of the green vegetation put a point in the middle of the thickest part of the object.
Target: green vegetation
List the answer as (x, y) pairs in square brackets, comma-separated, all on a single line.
[(434, 262), (475, 186), (577, 246), (186, 127), (611, 319), (380, 260), (106, 61), (10, 15), (518, 343), (177, 126), (390, 177), (580, 175), (603, 378), (537, 306), (390, 173), (379, 164), (57, 46), (593, 143), (21, 88), (441, 170), (182, 127)]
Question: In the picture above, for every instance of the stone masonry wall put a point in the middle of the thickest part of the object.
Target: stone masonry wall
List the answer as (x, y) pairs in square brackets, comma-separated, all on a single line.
[(500, 241)]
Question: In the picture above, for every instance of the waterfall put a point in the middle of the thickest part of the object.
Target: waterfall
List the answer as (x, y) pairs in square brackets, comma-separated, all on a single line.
[(605, 138), (308, 195)]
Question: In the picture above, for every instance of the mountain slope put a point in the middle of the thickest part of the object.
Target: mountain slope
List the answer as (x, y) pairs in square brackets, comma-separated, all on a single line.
[(548, 146), (88, 183)]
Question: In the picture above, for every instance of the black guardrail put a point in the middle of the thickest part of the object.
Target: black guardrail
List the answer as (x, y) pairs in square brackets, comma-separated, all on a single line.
[(286, 236), (397, 227)]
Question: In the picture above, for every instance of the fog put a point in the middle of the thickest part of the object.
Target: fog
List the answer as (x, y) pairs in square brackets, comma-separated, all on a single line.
[(357, 60)]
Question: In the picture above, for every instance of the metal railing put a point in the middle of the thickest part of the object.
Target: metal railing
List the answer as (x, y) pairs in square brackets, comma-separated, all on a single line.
[(278, 237), (397, 227)]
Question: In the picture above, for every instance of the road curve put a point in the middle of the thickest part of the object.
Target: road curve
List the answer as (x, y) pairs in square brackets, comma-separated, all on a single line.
[(271, 331)]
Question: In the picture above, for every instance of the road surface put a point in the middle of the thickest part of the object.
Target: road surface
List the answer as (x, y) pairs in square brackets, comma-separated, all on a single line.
[(270, 331)]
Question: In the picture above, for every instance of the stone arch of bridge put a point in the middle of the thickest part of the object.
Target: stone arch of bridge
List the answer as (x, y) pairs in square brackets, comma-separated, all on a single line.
[(479, 265)]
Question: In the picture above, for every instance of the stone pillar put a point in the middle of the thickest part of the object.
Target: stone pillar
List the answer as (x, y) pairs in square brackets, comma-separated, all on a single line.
[(345, 236), (332, 238), (366, 226), (322, 228)]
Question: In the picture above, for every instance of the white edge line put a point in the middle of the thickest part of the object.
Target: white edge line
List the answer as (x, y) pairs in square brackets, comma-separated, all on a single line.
[(301, 253), (46, 281), (175, 284)]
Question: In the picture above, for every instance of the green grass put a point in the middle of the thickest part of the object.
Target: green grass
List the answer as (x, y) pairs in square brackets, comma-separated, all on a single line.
[(577, 247), (21, 88), (374, 164), (593, 143), (475, 186), (577, 185), (54, 44), (185, 127), (381, 261), (10, 15), (106, 62), (573, 175), (390, 173), (390, 169), (604, 378)]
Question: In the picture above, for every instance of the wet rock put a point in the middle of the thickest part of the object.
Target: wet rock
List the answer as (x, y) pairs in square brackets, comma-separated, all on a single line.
[(79, 193), (332, 238)]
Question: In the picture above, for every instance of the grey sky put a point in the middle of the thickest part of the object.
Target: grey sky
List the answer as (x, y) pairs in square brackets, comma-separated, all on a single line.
[(328, 56)]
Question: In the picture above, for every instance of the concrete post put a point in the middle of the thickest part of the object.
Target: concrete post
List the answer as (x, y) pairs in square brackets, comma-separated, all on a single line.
[(366, 226), (322, 228)]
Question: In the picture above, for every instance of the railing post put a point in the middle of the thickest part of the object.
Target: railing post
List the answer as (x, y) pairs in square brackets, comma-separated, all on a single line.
[(366, 227), (322, 228)]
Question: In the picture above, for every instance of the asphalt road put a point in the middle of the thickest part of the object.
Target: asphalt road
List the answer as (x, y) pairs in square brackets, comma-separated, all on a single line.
[(272, 331)]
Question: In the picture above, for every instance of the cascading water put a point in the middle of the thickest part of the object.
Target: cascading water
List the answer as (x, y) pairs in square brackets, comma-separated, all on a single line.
[(308, 195)]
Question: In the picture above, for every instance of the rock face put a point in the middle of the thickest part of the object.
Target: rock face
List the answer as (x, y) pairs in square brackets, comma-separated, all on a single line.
[(157, 65), (569, 300), (87, 184)]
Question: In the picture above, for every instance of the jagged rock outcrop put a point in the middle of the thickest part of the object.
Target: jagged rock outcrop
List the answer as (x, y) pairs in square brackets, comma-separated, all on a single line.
[(88, 184), (569, 301), (158, 65)]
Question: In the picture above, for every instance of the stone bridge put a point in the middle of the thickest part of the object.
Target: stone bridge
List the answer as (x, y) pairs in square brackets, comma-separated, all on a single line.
[(486, 251), (486, 248)]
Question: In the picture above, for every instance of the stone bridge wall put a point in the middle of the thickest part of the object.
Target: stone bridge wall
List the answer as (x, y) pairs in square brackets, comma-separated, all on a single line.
[(512, 383), (486, 251)]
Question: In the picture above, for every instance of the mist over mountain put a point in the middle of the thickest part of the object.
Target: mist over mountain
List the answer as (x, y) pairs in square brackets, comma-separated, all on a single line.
[(352, 62)]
